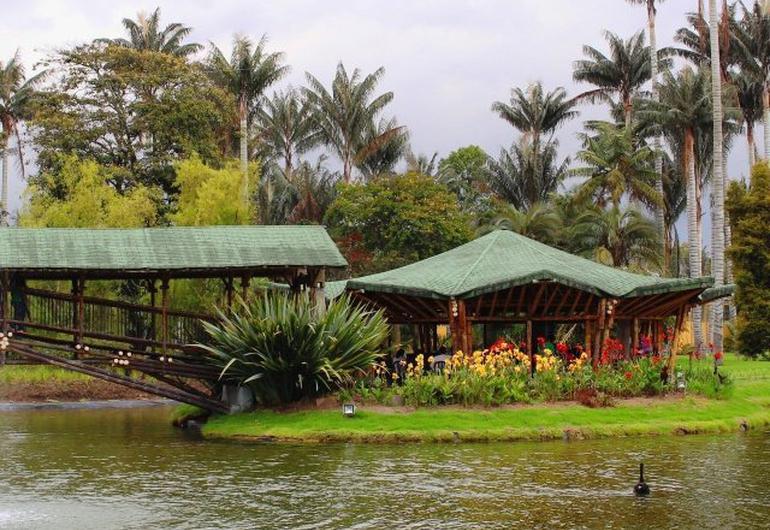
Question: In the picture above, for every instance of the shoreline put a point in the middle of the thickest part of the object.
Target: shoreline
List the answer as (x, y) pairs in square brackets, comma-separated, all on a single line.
[(221, 428), (86, 404), (746, 409)]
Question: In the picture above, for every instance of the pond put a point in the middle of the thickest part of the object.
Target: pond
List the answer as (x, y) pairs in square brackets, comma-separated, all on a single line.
[(128, 468)]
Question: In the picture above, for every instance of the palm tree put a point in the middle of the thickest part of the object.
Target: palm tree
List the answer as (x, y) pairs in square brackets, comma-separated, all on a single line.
[(303, 199), (246, 75), (536, 113), (651, 35), (617, 237), (683, 113), (285, 129), (539, 222), (620, 75), (345, 114), (16, 94), (527, 174), (752, 43), (616, 166), (384, 150), (144, 33), (749, 94), (421, 164), (717, 180)]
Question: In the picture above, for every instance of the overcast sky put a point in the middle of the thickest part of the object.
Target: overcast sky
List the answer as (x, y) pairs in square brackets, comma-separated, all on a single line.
[(445, 60)]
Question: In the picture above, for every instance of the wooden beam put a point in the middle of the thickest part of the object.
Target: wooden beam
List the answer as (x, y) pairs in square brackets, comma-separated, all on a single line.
[(503, 318), (494, 303), (5, 308), (508, 299), (559, 307), (536, 299), (522, 296)]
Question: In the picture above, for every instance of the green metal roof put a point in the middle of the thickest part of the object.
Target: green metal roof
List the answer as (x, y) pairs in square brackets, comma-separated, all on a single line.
[(713, 293), (176, 248), (504, 259)]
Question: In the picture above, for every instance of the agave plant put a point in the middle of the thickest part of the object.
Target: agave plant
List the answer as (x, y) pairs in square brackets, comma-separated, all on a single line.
[(285, 350)]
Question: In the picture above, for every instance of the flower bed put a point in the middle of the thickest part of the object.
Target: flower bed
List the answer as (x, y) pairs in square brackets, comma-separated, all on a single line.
[(502, 374)]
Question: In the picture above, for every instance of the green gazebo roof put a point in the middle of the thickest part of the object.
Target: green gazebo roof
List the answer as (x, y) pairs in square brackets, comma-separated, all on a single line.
[(504, 259), (167, 249)]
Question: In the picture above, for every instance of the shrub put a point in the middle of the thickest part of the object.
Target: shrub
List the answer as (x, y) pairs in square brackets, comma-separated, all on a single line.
[(285, 349)]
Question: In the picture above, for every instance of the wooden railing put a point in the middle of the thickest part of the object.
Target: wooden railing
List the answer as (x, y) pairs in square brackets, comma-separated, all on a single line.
[(107, 319)]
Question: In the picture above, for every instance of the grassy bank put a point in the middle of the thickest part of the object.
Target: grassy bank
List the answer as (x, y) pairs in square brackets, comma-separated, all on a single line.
[(747, 407), (24, 383)]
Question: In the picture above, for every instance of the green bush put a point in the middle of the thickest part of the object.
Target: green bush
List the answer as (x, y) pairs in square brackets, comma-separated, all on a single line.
[(285, 349)]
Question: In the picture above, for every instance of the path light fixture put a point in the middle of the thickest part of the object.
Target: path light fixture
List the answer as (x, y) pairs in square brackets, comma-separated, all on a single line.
[(681, 383), (349, 410)]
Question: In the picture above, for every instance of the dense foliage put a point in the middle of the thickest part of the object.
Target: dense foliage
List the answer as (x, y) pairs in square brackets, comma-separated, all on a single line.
[(286, 349), (749, 210), (393, 221)]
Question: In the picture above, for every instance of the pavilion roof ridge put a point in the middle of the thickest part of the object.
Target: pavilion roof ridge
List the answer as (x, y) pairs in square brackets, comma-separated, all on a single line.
[(483, 253)]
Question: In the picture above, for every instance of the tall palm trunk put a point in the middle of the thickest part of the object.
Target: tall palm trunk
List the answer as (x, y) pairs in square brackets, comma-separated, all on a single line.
[(4, 214), (717, 181), (659, 211), (244, 132), (766, 113), (750, 143), (693, 232)]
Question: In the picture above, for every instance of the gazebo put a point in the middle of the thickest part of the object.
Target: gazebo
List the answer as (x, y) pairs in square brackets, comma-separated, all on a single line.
[(504, 277)]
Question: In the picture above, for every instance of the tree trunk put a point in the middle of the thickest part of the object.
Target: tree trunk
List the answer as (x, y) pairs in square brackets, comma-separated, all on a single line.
[(659, 211), (717, 181), (4, 213), (750, 144), (693, 239), (766, 111), (244, 129)]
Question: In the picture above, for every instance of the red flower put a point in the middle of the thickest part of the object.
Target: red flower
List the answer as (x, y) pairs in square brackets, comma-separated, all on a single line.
[(628, 375), (718, 355), (541, 341), (562, 348)]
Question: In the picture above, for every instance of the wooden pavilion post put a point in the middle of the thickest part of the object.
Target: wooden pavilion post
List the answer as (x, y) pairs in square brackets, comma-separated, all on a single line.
[(588, 325), (530, 348), (153, 317), (245, 281), (681, 316), (78, 313), (229, 291), (634, 334), (599, 333), (317, 295), (5, 308), (458, 326), (164, 302), (659, 336)]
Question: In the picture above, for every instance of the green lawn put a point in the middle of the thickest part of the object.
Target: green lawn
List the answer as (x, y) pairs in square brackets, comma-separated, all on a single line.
[(749, 405), (21, 374)]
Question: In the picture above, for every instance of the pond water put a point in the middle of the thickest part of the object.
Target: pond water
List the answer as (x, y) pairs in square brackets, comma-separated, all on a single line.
[(128, 468)]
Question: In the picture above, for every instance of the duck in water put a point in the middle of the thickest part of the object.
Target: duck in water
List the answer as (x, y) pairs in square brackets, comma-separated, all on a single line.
[(641, 488)]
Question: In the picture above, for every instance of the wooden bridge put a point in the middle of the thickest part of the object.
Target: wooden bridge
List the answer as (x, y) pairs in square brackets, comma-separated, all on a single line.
[(147, 347)]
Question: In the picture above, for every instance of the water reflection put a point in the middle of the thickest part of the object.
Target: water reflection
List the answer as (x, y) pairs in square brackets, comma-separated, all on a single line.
[(130, 469)]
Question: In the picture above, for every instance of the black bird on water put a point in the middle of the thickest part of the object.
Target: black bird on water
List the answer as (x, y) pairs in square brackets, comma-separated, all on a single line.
[(641, 488)]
